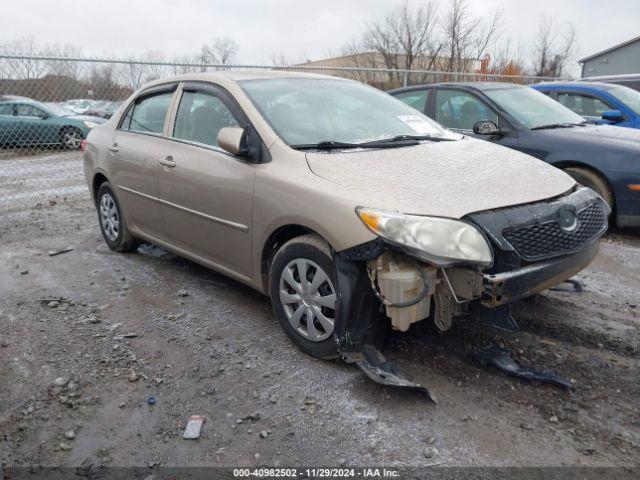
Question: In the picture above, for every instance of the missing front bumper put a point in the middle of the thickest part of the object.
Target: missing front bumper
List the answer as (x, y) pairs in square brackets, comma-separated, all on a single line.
[(502, 288)]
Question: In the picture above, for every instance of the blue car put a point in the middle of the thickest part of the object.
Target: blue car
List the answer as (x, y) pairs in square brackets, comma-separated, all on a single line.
[(602, 157), (602, 103), (25, 122)]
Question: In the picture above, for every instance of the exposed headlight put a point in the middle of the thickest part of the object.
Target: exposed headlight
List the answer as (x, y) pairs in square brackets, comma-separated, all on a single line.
[(440, 241), (90, 124)]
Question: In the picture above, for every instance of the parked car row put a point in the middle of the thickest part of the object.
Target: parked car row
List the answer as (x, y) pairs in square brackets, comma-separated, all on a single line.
[(354, 211), (603, 157), (25, 122), (96, 108)]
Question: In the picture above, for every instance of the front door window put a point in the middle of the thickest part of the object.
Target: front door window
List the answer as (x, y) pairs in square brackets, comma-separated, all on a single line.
[(200, 118)]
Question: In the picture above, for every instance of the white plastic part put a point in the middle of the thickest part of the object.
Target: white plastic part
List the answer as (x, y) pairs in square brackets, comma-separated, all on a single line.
[(401, 282)]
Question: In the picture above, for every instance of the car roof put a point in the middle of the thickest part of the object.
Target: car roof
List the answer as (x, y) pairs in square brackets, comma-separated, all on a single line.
[(609, 78), (240, 75), (598, 85), (482, 86), (16, 99)]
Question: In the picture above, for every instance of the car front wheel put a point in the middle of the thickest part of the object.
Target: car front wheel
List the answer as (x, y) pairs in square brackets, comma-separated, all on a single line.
[(303, 294), (112, 224)]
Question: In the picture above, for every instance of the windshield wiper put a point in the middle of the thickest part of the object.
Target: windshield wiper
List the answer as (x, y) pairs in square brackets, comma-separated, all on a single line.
[(333, 145), (400, 138), (559, 125), (397, 141)]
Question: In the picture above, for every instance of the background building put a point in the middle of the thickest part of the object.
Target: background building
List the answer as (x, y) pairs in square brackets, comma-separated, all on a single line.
[(617, 60)]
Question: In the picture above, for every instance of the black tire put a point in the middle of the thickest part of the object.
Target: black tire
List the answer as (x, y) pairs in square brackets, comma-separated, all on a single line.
[(591, 179), (71, 138), (118, 239), (315, 250)]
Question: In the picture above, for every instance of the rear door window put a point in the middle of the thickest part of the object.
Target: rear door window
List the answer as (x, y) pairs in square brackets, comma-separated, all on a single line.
[(200, 117), (148, 115)]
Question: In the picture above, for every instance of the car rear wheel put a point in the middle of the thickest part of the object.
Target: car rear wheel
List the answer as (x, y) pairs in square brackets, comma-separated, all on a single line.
[(303, 294), (112, 224), (71, 138), (590, 179)]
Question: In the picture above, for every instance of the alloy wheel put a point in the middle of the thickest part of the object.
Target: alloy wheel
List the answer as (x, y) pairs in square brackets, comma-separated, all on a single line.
[(72, 139)]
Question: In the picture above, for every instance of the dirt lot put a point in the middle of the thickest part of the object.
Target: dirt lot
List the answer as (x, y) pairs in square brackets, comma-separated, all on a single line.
[(119, 329)]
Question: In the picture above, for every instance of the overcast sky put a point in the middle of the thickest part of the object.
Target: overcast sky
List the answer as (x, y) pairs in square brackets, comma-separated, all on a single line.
[(302, 29)]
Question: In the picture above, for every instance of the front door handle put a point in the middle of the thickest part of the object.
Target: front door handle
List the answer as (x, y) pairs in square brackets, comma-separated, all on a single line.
[(167, 162), (113, 148)]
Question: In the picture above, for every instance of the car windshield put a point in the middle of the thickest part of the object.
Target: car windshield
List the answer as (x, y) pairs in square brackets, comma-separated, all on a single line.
[(532, 108), (308, 111), (628, 96)]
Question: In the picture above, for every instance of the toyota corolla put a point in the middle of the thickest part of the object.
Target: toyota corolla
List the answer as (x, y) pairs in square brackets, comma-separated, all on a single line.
[(349, 209)]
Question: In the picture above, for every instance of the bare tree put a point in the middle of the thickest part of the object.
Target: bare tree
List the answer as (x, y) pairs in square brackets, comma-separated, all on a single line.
[(102, 80), (67, 68), (405, 39), (552, 50), (220, 51), (186, 64), (22, 68), (153, 69), (466, 36), (133, 73), (507, 59), (280, 59)]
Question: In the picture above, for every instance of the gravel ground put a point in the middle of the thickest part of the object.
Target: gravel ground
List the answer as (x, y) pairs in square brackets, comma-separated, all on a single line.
[(86, 337)]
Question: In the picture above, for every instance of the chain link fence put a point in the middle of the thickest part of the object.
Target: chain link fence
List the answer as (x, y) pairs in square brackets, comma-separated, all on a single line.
[(51, 103)]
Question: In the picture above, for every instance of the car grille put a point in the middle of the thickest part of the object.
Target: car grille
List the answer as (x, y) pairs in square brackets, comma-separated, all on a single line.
[(544, 240)]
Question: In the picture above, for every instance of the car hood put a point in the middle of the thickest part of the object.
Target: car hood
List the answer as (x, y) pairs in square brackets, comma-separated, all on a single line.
[(606, 136), (446, 179)]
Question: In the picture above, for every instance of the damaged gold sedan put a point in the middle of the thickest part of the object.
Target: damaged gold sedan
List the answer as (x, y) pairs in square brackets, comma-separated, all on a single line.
[(348, 208)]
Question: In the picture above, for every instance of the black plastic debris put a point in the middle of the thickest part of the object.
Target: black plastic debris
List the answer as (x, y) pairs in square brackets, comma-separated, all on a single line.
[(570, 285), (499, 318), (375, 366), (500, 358)]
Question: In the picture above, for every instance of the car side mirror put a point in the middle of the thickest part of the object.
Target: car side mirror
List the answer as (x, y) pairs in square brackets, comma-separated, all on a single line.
[(613, 116), (233, 140), (486, 127), (44, 116)]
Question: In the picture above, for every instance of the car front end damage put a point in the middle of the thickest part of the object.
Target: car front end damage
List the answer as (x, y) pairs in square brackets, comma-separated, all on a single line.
[(533, 247)]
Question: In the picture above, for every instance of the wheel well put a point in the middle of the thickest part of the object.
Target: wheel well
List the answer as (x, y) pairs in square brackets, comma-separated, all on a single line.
[(570, 164), (70, 127), (278, 238), (98, 180)]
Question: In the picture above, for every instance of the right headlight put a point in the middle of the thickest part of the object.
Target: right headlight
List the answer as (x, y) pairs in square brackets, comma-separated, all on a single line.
[(440, 241)]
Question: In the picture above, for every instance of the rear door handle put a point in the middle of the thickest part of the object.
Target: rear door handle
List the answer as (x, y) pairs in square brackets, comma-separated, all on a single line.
[(113, 148), (167, 162)]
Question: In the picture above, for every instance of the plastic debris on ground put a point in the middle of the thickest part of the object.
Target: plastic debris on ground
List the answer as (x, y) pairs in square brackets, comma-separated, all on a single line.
[(194, 426)]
